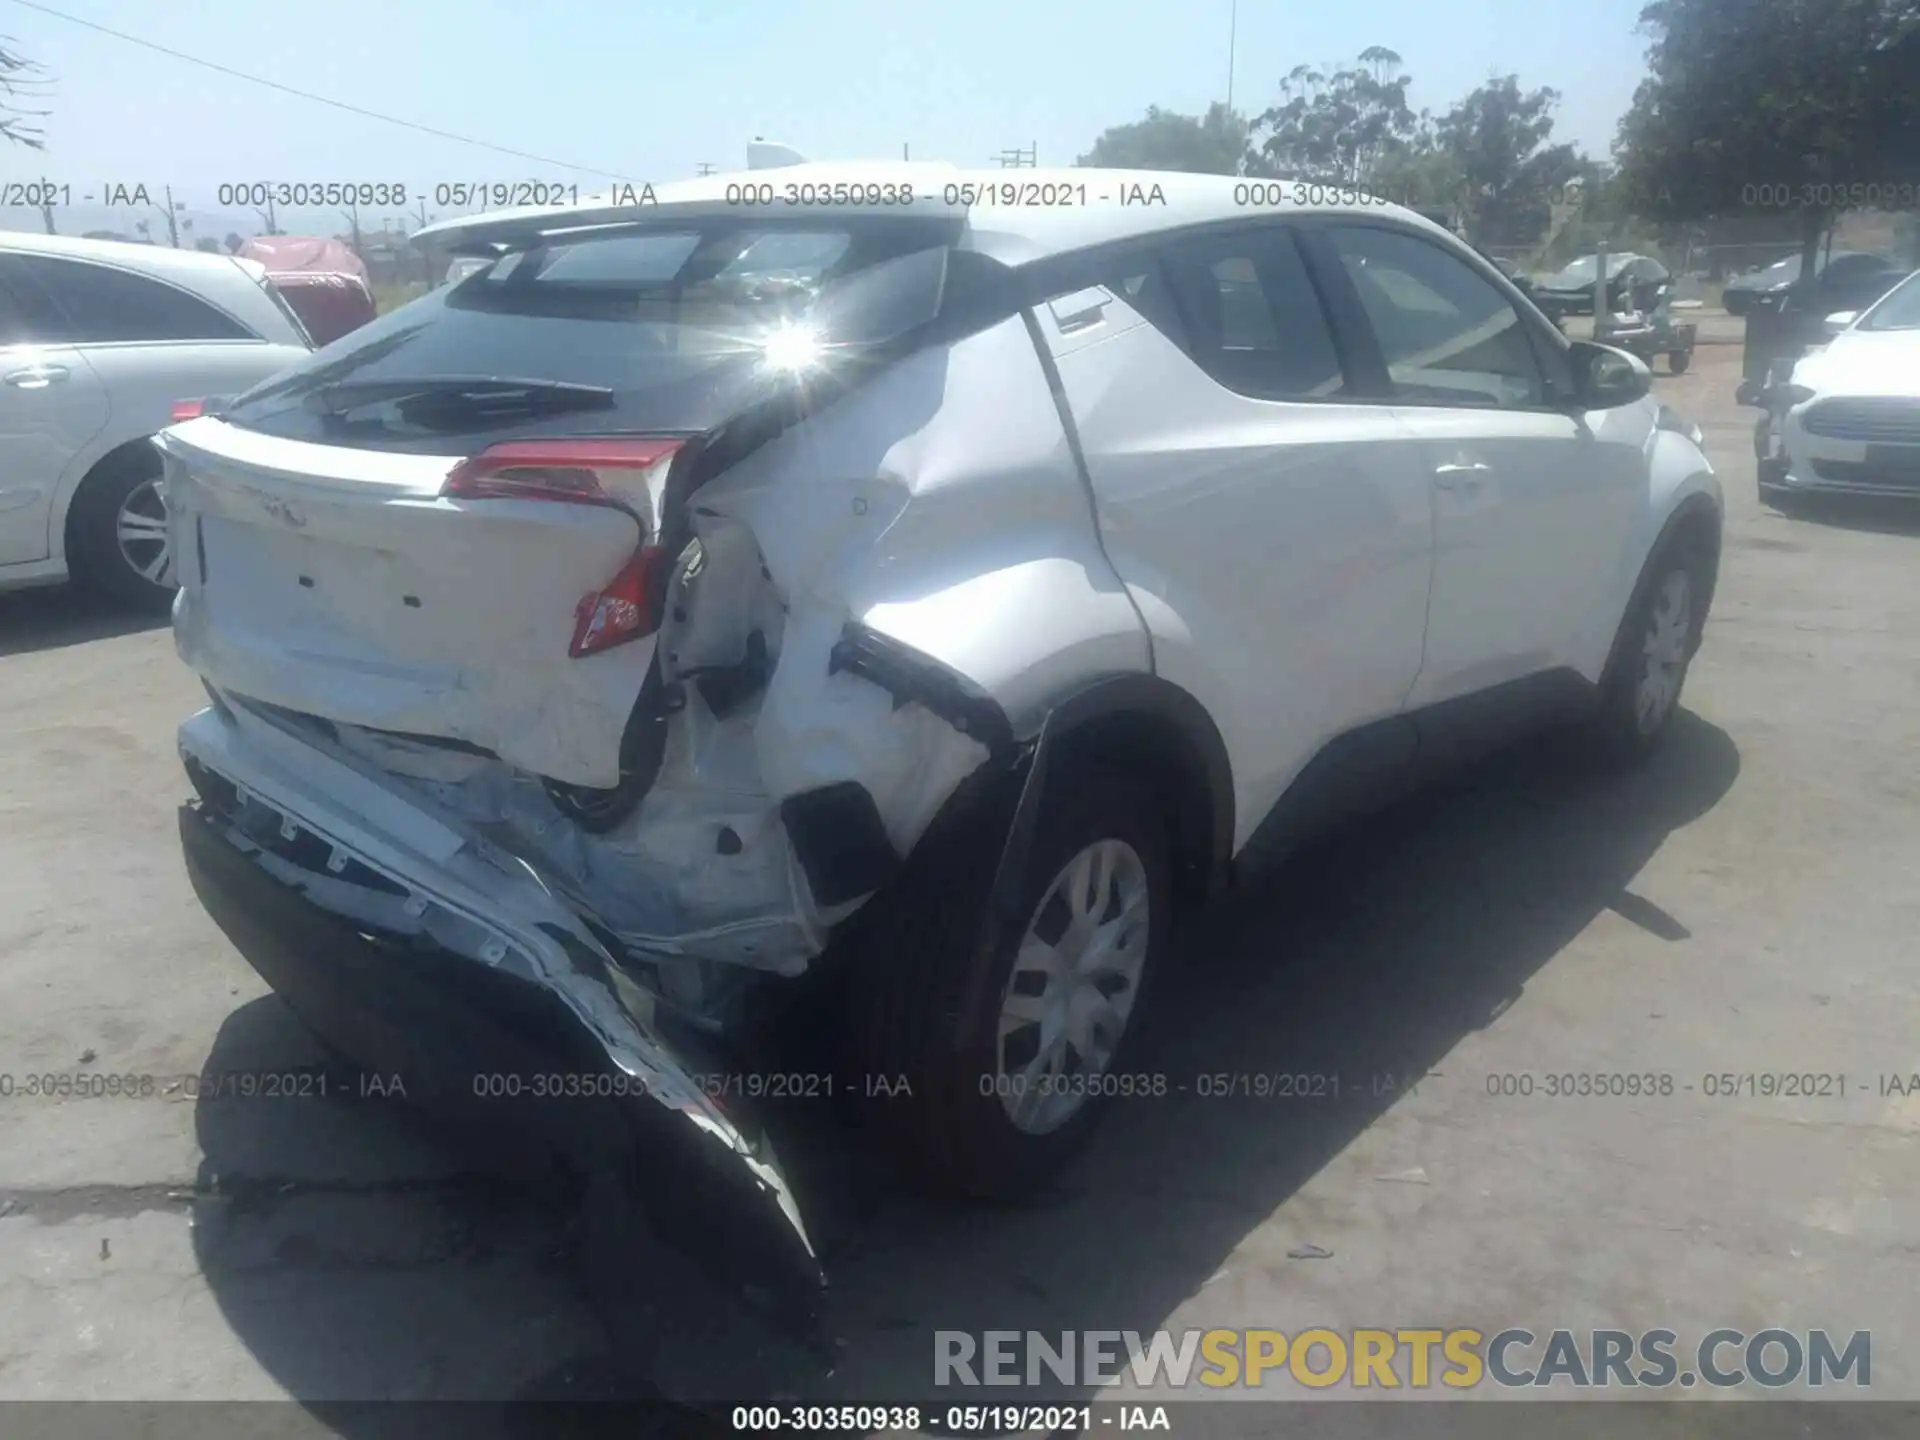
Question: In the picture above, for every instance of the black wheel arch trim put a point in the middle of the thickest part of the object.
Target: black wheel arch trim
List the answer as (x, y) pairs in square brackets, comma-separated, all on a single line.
[(1129, 695), (1158, 699), (910, 675), (913, 676), (1701, 509)]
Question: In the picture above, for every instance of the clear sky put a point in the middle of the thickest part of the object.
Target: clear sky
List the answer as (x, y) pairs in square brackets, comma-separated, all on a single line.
[(648, 90)]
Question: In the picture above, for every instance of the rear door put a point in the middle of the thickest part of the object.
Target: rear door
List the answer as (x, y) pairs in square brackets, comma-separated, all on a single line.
[(1272, 523), (152, 342), (52, 408), (1531, 499), (332, 563)]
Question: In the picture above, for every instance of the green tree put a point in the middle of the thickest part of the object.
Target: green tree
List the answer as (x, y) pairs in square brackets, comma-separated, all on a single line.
[(1335, 127), (1773, 102), (1418, 171), (1509, 174), (1167, 140)]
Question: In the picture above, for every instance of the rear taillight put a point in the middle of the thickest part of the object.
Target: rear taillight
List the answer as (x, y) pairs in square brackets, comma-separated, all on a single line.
[(619, 611), (188, 410), (620, 473)]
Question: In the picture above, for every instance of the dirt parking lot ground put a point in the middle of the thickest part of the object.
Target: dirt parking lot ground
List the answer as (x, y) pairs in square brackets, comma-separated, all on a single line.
[(1744, 906)]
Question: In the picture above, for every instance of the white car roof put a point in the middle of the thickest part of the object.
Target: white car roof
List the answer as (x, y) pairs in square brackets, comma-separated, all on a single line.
[(224, 281), (1025, 219), (161, 261)]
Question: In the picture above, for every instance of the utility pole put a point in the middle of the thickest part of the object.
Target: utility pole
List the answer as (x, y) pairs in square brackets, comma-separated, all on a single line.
[(903, 151), (1233, 34), (426, 259), (1602, 311), (705, 168), (267, 215), (46, 218), (173, 225), (1018, 159)]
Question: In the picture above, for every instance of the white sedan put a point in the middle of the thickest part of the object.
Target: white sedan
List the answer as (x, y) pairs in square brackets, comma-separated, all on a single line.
[(98, 341), (1847, 418)]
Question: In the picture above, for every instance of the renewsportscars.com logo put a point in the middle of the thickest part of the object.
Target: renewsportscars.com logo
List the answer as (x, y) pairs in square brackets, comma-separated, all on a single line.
[(1415, 1359)]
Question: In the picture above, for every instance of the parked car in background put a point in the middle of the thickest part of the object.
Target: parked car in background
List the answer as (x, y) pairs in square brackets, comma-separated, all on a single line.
[(320, 278), (703, 609), (1570, 290), (98, 341), (1843, 280), (1846, 417), (327, 306)]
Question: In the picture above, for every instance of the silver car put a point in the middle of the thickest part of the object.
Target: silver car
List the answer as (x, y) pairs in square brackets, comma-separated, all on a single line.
[(101, 345)]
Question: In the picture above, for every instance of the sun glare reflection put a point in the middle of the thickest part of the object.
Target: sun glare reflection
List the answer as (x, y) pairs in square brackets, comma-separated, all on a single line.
[(791, 347)]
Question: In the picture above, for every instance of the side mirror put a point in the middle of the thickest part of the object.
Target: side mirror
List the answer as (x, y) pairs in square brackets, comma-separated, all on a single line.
[(1606, 378), (1840, 320)]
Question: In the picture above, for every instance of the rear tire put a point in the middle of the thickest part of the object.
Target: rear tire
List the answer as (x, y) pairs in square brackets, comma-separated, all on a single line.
[(117, 532), (929, 1008), (1640, 691), (1678, 361)]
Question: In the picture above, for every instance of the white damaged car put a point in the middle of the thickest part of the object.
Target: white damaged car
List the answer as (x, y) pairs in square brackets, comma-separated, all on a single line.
[(930, 595)]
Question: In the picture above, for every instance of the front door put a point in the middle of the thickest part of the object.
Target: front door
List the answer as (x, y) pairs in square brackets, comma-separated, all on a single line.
[(1531, 500), (1273, 526)]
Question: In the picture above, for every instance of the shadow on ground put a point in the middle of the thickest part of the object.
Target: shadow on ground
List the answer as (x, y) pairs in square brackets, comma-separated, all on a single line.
[(55, 616), (361, 1256), (1870, 514)]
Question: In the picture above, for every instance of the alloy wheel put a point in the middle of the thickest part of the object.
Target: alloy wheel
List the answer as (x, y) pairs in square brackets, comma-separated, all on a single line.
[(1664, 651), (140, 528)]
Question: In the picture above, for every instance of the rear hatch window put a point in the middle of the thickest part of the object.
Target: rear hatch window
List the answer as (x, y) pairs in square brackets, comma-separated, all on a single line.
[(648, 329)]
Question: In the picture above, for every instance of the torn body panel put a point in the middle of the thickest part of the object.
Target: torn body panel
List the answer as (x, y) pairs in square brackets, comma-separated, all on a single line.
[(440, 930), (884, 516), (975, 546)]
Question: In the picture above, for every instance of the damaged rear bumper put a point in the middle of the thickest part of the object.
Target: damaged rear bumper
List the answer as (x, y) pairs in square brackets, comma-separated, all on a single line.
[(417, 952)]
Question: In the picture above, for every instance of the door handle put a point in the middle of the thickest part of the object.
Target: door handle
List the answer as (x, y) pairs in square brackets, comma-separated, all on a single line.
[(36, 377), (1461, 475)]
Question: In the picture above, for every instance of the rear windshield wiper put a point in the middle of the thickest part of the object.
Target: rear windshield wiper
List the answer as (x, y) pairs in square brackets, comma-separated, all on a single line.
[(486, 392)]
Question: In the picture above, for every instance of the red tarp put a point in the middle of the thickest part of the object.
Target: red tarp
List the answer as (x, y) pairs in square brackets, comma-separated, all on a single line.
[(321, 279), (304, 254)]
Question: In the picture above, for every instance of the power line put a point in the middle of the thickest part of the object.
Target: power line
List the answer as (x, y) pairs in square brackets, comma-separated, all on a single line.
[(309, 95)]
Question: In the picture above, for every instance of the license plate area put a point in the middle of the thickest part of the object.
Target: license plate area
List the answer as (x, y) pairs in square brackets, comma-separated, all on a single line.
[(1901, 461)]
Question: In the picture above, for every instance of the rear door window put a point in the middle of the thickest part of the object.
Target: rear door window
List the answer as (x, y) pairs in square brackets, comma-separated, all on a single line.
[(16, 326), (1250, 314), (92, 304)]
